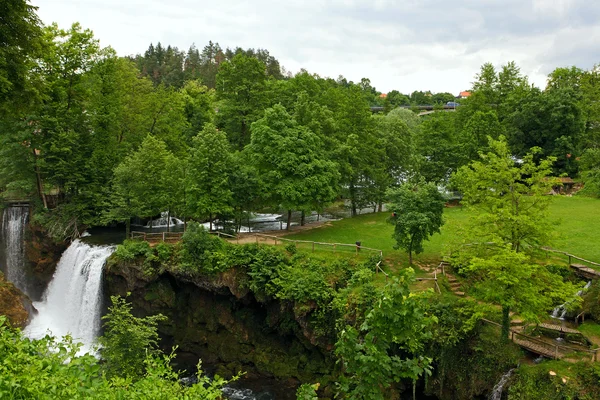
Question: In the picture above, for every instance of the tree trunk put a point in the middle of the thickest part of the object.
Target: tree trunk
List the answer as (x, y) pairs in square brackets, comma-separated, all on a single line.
[(38, 179), (410, 257), (505, 323), (169, 221), (353, 199), (210, 222), (302, 218), (128, 228), (380, 206), (289, 220)]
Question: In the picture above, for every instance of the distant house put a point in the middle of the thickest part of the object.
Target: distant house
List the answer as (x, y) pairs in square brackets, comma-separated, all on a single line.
[(464, 95), (383, 95)]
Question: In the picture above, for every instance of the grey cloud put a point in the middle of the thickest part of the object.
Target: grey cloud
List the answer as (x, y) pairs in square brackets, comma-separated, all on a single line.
[(405, 45)]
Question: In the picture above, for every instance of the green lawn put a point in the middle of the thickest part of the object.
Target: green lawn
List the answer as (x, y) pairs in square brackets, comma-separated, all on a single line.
[(577, 228)]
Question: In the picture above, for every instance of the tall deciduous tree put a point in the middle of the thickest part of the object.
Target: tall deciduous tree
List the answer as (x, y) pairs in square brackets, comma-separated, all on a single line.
[(20, 42), (240, 87), (291, 161), (508, 196), (209, 167), (417, 214), (514, 282), (138, 187)]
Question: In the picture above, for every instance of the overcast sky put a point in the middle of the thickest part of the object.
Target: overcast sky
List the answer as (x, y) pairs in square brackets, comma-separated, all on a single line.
[(398, 44)]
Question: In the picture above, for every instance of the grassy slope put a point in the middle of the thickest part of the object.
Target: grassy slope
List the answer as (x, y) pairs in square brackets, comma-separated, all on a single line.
[(577, 226)]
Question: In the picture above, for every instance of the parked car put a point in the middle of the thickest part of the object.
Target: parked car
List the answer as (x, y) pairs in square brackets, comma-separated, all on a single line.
[(452, 104)]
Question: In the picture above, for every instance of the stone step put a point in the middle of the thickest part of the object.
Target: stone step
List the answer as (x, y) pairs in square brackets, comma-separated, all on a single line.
[(462, 294)]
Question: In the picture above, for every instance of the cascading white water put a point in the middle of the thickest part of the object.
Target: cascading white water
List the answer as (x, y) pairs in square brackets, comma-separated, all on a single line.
[(72, 303), (499, 387), (164, 221), (560, 312), (14, 221)]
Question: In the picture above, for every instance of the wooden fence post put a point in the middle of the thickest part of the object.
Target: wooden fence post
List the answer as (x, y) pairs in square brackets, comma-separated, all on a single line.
[(163, 236)]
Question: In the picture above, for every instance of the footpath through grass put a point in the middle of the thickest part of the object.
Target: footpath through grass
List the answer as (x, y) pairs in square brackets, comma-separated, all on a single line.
[(576, 223)]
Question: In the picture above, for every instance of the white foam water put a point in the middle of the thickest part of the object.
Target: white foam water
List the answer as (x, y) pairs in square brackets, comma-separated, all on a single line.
[(72, 303)]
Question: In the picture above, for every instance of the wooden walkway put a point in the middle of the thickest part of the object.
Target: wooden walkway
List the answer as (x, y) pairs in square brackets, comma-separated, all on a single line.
[(544, 348), (586, 272), (559, 328), (538, 349)]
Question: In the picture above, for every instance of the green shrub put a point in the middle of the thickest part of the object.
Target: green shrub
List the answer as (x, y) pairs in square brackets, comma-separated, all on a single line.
[(164, 252), (198, 246), (133, 249), (291, 248)]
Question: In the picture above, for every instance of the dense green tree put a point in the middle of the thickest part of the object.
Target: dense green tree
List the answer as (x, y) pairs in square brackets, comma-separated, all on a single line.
[(20, 45), (552, 121), (516, 283), (138, 186), (241, 84), (357, 152), (590, 165), (388, 345), (394, 148), (395, 99), (442, 98), (416, 215), (127, 340), (199, 106), (486, 82), (439, 148), (509, 197), (292, 164), (210, 162), (475, 133)]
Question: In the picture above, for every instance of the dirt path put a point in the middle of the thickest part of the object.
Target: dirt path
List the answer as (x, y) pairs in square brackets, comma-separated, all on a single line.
[(250, 237)]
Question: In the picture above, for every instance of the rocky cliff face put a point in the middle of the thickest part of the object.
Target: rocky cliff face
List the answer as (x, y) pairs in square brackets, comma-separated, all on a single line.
[(217, 319), (43, 255), (14, 304)]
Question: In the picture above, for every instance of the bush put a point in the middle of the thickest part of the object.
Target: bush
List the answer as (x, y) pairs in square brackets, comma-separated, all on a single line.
[(127, 340), (132, 249), (291, 248), (198, 246)]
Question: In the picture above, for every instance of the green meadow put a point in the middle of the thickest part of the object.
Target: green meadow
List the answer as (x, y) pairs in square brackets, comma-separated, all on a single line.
[(576, 222)]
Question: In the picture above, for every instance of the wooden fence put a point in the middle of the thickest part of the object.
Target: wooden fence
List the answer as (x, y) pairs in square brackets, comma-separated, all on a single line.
[(169, 237), (587, 272), (442, 268), (334, 246)]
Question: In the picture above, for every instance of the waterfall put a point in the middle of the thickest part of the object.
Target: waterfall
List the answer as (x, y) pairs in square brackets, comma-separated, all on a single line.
[(560, 312), (164, 221), (72, 303), (499, 387), (14, 221)]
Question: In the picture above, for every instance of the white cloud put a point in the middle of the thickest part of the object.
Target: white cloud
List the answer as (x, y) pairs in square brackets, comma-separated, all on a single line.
[(410, 45)]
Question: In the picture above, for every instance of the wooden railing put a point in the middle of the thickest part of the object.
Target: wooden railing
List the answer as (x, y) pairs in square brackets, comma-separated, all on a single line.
[(536, 345), (571, 256), (441, 267), (334, 246), (170, 237)]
